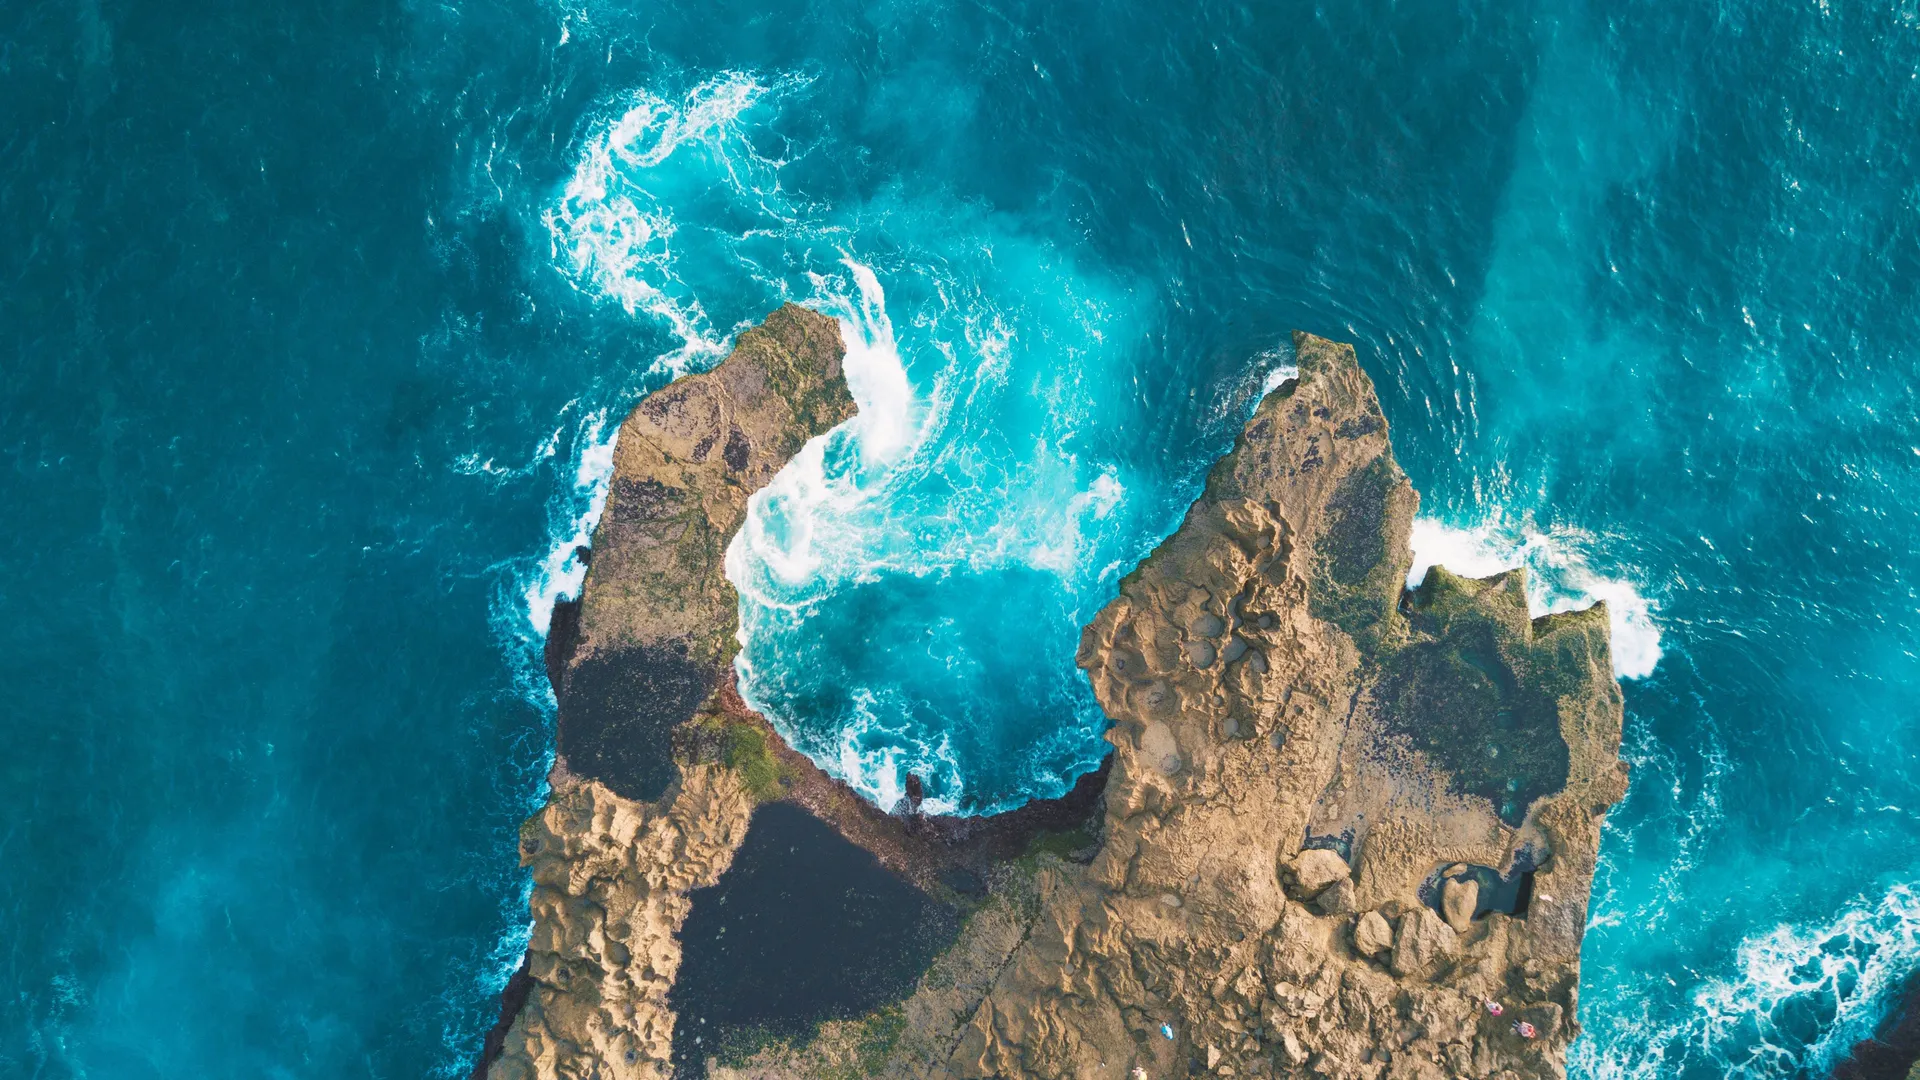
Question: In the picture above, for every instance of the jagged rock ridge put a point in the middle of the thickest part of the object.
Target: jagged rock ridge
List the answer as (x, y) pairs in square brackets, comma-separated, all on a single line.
[(631, 826), (1341, 820), (1341, 817)]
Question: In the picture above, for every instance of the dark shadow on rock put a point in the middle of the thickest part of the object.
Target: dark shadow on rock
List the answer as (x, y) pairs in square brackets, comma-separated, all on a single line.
[(618, 713), (512, 1000), (563, 638), (804, 927), (1894, 1050), (1469, 700)]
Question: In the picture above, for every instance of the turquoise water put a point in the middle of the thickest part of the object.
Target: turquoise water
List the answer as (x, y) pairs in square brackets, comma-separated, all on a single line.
[(317, 322)]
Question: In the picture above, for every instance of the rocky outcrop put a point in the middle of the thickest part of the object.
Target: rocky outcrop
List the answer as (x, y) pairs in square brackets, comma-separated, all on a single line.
[(659, 762), (1341, 818), (1309, 763), (633, 823), (1893, 1051)]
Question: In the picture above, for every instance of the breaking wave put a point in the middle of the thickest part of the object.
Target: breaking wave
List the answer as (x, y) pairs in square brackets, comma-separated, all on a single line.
[(1560, 577), (1798, 998), (874, 571)]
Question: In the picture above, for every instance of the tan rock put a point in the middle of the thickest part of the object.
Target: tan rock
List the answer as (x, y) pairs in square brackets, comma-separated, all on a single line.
[(1289, 570), (1371, 934), (1421, 939), (1316, 868), (1336, 899), (1458, 901), (611, 874)]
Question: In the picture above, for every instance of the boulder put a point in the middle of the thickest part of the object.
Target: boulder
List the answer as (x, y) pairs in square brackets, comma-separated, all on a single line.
[(1421, 938), (1336, 899), (1458, 901), (1316, 868), (1371, 935)]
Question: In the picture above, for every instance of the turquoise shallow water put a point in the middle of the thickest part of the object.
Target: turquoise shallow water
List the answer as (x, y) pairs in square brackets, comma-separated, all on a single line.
[(317, 320)]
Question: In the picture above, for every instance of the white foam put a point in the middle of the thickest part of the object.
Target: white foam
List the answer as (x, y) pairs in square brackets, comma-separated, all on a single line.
[(851, 506), (1846, 968), (1751, 1023), (616, 236), (886, 427), (1278, 376), (1559, 578), (801, 518), (1062, 551), (879, 771), (561, 573)]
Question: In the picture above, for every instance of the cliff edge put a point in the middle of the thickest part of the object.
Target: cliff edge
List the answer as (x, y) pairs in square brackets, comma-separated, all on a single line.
[(1348, 829), (634, 823)]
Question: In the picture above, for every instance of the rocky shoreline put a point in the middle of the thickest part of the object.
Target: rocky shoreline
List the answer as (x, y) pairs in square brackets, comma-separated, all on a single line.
[(1893, 1051), (1346, 829)]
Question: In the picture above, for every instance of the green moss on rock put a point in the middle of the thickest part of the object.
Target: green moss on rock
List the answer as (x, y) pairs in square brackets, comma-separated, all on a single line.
[(1478, 693), (1357, 579), (744, 749)]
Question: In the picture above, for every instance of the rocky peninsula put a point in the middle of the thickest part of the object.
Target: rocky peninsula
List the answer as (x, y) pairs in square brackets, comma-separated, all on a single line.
[(1347, 829)]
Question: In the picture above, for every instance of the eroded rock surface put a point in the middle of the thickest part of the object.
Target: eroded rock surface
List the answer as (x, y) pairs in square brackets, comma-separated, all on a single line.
[(1301, 749), (632, 825), (1340, 817)]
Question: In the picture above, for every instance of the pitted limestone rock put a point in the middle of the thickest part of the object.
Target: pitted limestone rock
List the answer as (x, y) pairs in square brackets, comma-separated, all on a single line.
[(611, 878)]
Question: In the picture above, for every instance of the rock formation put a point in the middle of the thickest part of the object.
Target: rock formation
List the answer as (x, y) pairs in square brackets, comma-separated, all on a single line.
[(1344, 822), (631, 826)]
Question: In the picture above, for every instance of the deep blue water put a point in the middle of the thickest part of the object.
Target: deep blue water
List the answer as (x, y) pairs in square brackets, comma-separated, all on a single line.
[(315, 321)]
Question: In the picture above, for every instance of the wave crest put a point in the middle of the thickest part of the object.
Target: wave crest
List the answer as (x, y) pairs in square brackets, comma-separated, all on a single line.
[(1798, 999)]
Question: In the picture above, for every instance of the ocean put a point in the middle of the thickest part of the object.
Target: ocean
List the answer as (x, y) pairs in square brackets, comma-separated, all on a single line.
[(317, 322)]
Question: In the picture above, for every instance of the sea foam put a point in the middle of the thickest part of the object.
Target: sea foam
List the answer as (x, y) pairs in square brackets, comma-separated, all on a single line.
[(1798, 997), (853, 507), (614, 231), (573, 515), (791, 523)]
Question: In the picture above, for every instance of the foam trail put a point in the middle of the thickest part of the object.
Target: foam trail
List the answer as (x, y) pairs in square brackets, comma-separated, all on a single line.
[(877, 767), (847, 510), (788, 520), (885, 428), (1798, 999), (1559, 578), (562, 572), (1845, 970), (949, 470), (533, 586)]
